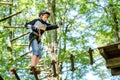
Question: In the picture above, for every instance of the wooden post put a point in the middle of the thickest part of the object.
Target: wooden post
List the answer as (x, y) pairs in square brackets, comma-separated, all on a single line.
[(15, 73), (1, 78), (54, 68), (91, 56), (36, 77), (72, 62)]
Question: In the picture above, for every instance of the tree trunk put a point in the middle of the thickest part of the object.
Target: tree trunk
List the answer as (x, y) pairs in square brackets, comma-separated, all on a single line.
[(9, 47), (114, 20), (53, 42), (115, 26)]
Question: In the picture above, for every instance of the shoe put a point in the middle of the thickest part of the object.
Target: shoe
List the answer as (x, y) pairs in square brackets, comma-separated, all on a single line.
[(36, 71), (33, 70)]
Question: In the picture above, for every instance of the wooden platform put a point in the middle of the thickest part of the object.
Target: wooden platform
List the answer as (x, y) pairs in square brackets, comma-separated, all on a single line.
[(111, 54)]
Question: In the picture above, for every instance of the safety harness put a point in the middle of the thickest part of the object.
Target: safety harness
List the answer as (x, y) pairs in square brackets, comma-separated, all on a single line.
[(34, 35)]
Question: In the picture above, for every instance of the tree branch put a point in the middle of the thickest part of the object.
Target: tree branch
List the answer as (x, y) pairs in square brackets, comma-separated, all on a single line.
[(10, 16), (25, 54), (19, 36), (13, 27), (7, 3), (21, 45)]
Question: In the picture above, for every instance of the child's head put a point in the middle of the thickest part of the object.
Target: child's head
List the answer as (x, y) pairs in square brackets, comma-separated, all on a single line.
[(44, 15)]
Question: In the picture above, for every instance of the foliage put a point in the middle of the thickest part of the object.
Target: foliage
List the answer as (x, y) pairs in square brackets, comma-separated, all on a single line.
[(87, 23)]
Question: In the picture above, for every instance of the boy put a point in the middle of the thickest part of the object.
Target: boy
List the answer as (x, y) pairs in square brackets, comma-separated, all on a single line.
[(38, 26)]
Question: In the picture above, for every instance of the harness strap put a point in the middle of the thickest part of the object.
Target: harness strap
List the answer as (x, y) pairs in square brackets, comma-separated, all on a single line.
[(36, 34), (39, 36), (30, 43)]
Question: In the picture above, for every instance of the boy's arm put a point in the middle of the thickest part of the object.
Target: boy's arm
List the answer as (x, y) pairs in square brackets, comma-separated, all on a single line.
[(51, 27), (30, 24), (35, 24)]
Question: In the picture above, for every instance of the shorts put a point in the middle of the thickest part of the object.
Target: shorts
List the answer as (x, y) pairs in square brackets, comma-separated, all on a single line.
[(36, 48)]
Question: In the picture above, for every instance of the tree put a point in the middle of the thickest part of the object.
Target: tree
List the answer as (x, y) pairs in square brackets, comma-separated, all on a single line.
[(87, 23)]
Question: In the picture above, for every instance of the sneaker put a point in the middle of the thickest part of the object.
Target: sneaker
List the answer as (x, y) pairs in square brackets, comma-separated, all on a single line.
[(33, 70)]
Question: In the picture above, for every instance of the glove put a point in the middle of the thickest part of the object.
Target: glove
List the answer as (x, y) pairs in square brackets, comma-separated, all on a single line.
[(33, 27), (60, 24), (30, 26)]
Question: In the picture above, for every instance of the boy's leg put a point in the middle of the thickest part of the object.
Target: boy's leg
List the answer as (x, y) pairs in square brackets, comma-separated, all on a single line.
[(35, 58), (34, 61), (39, 55), (35, 50)]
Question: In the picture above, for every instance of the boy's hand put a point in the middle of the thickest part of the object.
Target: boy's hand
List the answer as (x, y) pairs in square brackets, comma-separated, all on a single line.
[(30, 26), (60, 24)]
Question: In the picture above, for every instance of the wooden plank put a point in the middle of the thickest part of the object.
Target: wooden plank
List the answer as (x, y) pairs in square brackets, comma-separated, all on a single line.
[(115, 71), (110, 51), (114, 54), (110, 48), (113, 63), (102, 52), (109, 45), (119, 46)]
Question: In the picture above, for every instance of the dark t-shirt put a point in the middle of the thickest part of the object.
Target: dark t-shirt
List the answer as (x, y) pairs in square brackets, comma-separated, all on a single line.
[(41, 24)]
